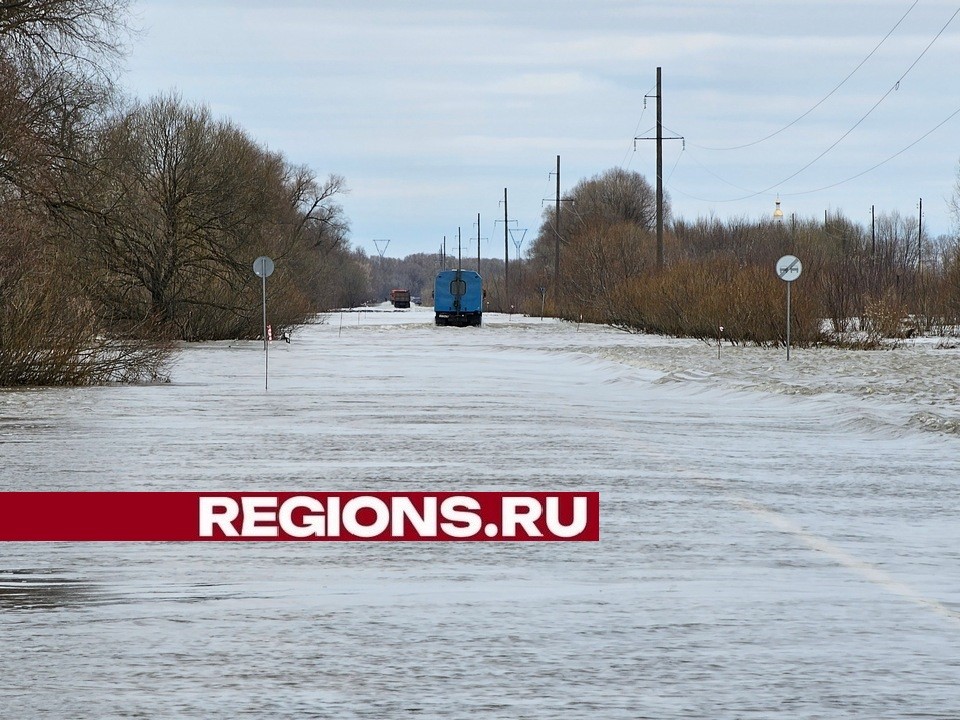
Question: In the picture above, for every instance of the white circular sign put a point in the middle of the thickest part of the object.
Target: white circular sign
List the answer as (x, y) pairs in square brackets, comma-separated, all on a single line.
[(788, 268), (263, 267)]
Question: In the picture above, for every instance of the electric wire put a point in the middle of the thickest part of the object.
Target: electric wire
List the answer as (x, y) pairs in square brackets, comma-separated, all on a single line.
[(825, 97), (893, 88), (719, 177), (544, 197), (628, 155), (860, 174), (882, 162), (674, 168)]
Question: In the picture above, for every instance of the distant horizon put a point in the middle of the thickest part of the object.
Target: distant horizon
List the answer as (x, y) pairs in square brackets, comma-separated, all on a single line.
[(429, 110), (787, 219)]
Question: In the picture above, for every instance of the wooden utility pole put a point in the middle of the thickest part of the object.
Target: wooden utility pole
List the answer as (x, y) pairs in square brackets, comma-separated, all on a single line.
[(920, 240), (659, 174), (556, 250), (506, 253), (659, 138)]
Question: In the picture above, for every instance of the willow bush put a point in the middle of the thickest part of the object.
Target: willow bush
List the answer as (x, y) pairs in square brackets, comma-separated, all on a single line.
[(696, 298), (51, 336)]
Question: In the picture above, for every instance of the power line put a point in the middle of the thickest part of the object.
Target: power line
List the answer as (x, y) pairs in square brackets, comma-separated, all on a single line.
[(870, 169), (882, 162), (825, 97), (628, 154), (893, 88), (687, 153), (674, 168)]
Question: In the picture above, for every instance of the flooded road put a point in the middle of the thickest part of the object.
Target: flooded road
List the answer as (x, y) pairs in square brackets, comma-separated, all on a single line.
[(764, 554)]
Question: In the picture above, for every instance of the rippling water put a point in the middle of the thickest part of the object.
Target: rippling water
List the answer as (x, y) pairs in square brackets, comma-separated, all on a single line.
[(764, 554)]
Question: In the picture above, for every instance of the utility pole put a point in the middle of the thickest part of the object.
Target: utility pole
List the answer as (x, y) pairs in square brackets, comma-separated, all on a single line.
[(873, 229), (660, 138), (518, 243), (381, 249), (659, 174), (920, 240), (478, 243), (556, 232), (506, 252), (556, 251)]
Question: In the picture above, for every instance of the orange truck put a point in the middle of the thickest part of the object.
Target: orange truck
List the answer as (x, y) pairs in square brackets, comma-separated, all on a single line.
[(400, 298)]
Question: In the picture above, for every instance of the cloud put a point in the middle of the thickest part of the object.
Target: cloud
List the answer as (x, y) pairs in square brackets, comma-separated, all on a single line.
[(544, 83), (454, 101)]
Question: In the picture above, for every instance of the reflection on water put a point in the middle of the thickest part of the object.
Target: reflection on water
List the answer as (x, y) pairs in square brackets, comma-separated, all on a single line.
[(32, 589)]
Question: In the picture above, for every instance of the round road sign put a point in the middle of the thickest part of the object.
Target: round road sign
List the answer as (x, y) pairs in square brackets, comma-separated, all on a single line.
[(263, 267), (788, 268)]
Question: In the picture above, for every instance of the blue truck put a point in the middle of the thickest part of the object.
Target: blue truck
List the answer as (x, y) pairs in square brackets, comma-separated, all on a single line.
[(458, 298)]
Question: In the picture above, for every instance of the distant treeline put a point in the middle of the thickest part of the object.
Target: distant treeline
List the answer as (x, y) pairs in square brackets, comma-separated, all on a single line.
[(127, 225), (882, 281), (860, 286)]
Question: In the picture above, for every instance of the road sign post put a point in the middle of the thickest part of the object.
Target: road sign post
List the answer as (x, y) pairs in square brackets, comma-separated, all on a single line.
[(788, 269), (263, 268)]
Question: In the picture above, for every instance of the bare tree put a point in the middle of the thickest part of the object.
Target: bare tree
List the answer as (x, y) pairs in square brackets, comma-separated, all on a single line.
[(954, 204), (605, 222), (179, 207), (56, 63), (81, 36)]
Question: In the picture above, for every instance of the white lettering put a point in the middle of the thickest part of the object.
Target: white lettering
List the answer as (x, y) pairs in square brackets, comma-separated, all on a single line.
[(460, 513), (424, 525), (259, 510), (219, 512), (313, 522), (351, 521), (577, 525), (512, 517), (333, 517)]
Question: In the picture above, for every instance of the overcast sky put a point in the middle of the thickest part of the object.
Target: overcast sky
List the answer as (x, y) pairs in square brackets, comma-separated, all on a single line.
[(429, 109)]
